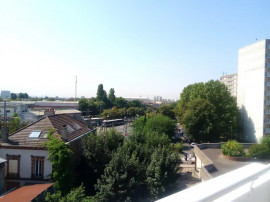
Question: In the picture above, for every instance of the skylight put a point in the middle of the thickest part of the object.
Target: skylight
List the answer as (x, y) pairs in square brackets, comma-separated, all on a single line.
[(35, 134), (70, 129), (76, 126)]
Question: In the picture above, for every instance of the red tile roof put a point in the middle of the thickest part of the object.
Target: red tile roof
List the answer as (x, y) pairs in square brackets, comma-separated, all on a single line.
[(21, 138), (25, 193)]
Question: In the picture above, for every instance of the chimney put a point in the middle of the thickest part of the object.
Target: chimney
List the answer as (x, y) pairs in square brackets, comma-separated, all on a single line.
[(64, 133), (4, 131), (49, 112)]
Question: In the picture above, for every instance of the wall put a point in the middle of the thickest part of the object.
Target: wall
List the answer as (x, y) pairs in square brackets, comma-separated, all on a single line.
[(251, 78), (25, 162)]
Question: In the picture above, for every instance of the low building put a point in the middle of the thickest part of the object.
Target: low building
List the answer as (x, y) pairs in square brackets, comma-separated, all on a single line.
[(27, 158), (34, 115), (5, 94)]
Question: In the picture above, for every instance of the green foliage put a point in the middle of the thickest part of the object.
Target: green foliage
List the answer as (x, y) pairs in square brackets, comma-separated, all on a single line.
[(266, 141), (15, 124), (223, 107), (111, 95), (60, 156), (142, 167), (178, 147), (160, 124), (13, 96), (166, 110), (113, 113), (122, 178), (260, 151), (162, 170), (233, 148), (97, 151), (23, 96), (138, 125), (199, 119), (75, 195), (120, 102)]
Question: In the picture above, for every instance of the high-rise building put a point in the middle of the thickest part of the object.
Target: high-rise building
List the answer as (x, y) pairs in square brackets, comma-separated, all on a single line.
[(231, 82), (253, 94)]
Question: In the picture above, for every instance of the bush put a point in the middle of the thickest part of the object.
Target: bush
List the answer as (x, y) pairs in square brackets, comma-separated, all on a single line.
[(178, 147), (266, 141), (233, 148), (260, 151)]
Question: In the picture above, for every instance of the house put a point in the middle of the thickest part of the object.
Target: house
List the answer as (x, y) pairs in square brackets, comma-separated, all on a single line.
[(27, 158)]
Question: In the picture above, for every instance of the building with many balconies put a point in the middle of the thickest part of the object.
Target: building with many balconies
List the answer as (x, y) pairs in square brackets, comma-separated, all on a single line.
[(231, 82)]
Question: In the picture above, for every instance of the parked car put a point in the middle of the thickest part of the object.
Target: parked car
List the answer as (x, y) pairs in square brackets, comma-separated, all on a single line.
[(193, 144)]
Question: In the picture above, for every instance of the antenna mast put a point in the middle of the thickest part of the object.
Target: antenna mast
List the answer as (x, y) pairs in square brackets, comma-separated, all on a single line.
[(76, 89)]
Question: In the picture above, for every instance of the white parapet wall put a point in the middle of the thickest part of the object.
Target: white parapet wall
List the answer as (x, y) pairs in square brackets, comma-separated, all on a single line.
[(249, 183)]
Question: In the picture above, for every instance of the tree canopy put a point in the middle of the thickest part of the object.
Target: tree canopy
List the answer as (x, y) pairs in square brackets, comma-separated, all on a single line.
[(216, 117)]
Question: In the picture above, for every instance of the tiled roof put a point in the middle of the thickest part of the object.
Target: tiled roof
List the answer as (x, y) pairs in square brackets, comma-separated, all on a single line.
[(25, 193), (21, 138)]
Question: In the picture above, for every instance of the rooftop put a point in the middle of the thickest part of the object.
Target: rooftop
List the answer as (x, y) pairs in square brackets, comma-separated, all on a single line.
[(25, 193), (40, 128)]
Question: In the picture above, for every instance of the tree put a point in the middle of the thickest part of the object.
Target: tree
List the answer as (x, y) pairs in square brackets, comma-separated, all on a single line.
[(142, 168), (224, 106), (111, 96), (13, 96), (15, 124), (75, 195), (160, 124), (166, 110), (199, 120), (97, 152), (101, 94), (120, 102), (60, 156)]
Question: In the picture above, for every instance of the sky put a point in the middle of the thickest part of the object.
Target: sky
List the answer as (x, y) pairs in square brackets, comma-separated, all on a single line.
[(141, 48)]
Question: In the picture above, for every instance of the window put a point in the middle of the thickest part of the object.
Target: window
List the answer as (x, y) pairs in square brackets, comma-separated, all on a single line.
[(35, 134), (267, 102), (76, 126), (70, 129), (268, 74), (267, 111), (267, 130), (37, 168), (268, 65), (8, 111), (268, 93), (267, 121), (267, 83), (13, 166)]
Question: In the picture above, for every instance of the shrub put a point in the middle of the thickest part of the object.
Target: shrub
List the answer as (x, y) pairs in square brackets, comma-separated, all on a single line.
[(178, 147), (266, 141), (233, 148), (260, 151)]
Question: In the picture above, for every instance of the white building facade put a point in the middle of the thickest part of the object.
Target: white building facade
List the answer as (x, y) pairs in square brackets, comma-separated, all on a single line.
[(253, 94), (231, 82)]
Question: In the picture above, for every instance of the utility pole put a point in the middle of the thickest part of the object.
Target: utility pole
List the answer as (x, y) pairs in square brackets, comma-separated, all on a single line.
[(5, 110)]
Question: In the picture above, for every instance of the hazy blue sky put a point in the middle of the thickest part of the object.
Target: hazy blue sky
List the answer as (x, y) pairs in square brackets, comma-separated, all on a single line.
[(139, 48)]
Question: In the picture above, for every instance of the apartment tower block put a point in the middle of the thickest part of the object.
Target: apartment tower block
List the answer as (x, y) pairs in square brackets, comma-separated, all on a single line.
[(253, 94)]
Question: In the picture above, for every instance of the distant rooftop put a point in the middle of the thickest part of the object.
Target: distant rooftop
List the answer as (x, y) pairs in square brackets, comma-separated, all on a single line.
[(21, 138)]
